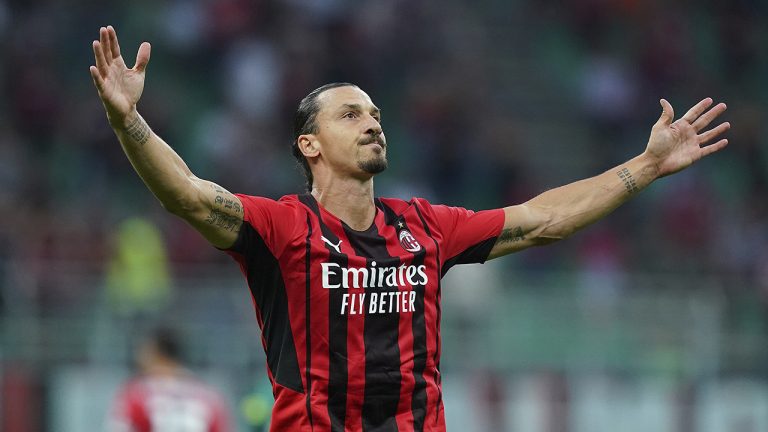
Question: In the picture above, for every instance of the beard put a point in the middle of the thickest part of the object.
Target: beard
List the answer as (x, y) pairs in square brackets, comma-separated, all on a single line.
[(378, 161), (373, 165)]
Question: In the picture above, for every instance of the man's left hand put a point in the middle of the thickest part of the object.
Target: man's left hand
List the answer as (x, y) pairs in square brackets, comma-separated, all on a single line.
[(674, 145)]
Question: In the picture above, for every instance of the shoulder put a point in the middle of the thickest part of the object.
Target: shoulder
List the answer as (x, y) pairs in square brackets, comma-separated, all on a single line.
[(133, 391), (259, 207), (196, 386), (285, 201), (400, 205)]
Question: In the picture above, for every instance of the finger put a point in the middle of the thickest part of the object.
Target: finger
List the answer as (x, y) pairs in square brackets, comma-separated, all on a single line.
[(142, 57), (98, 81), (667, 113), (101, 62), (114, 46), (713, 133), (708, 116), (708, 150), (696, 110), (104, 39)]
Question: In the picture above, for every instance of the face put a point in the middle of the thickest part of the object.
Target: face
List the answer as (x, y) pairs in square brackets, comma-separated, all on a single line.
[(145, 355), (349, 137)]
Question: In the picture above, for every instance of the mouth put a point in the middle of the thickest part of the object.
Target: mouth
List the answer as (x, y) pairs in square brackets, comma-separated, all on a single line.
[(374, 143)]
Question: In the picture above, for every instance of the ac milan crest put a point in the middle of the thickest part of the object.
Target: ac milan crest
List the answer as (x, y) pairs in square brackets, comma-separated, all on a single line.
[(408, 242)]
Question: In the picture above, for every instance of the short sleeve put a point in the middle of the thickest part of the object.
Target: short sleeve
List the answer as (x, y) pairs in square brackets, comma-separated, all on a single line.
[(273, 222), (467, 236)]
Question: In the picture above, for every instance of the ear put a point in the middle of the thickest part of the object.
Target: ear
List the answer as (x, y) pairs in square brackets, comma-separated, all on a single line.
[(308, 145)]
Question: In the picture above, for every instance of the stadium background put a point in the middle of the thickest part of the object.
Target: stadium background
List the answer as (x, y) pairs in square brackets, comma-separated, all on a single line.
[(654, 319)]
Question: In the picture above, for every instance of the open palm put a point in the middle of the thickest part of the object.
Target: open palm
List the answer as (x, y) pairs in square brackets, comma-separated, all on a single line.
[(676, 145), (119, 87)]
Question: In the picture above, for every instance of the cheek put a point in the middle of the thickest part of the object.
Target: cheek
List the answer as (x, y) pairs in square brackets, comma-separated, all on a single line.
[(339, 148)]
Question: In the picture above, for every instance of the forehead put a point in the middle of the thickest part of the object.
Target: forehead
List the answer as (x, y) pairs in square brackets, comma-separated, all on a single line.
[(340, 97)]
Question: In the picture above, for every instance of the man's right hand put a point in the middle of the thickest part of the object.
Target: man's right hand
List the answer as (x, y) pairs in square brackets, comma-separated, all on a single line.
[(209, 208), (119, 87)]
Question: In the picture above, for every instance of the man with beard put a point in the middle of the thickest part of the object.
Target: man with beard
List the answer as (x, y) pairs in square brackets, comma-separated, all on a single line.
[(346, 285)]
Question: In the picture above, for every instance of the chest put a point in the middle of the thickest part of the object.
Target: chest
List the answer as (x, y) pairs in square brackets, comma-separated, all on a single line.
[(388, 257)]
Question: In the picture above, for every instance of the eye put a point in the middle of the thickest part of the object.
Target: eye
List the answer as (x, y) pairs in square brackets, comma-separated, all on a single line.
[(350, 114)]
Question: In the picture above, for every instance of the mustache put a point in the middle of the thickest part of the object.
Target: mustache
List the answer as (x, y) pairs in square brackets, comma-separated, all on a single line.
[(370, 139)]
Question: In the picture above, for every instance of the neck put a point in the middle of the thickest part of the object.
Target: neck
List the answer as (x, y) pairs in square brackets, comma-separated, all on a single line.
[(349, 199)]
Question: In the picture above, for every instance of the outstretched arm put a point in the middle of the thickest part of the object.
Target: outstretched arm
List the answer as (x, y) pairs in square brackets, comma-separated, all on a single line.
[(560, 212), (214, 212)]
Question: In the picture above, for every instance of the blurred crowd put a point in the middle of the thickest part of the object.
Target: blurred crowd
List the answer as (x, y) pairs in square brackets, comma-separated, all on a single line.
[(485, 104)]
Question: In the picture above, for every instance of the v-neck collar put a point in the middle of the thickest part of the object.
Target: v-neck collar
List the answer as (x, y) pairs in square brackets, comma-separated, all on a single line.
[(348, 228)]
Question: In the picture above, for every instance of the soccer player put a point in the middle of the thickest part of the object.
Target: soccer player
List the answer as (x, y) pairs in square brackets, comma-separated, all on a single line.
[(346, 285), (166, 396)]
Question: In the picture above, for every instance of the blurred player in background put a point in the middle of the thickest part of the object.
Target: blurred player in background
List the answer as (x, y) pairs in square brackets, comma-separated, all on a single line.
[(347, 285), (165, 396)]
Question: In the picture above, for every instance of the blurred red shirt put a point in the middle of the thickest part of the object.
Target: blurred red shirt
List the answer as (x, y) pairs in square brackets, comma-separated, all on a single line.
[(168, 403)]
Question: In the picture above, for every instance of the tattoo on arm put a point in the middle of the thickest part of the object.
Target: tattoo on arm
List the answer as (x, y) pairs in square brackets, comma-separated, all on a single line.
[(629, 181), (138, 130), (511, 235), (224, 205), (225, 200), (222, 220)]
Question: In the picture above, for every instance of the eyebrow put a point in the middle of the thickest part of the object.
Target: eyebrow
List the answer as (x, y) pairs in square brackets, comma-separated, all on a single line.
[(359, 108)]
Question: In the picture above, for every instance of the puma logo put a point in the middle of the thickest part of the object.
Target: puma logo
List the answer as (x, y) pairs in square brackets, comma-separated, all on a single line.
[(335, 246)]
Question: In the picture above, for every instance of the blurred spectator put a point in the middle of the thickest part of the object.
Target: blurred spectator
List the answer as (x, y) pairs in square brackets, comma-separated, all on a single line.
[(138, 283), (165, 396)]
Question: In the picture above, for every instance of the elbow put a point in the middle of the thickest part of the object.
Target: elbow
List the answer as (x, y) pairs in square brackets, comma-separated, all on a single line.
[(551, 230), (182, 200), (172, 208), (180, 206), (549, 237)]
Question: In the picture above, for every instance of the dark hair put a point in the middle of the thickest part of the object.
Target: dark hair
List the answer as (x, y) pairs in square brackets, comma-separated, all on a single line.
[(167, 343), (304, 123)]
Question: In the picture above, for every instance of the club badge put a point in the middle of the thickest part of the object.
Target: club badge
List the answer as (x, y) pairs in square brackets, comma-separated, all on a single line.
[(408, 242)]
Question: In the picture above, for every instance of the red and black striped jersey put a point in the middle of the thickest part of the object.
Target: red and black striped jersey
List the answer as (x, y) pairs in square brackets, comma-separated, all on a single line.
[(350, 320)]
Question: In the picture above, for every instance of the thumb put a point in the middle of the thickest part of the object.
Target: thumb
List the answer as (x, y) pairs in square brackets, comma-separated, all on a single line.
[(667, 113), (142, 58)]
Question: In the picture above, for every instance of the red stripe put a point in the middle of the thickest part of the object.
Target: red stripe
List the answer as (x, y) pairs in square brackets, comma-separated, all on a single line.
[(295, 290), (319, 338), (431, 316), (355, 343)]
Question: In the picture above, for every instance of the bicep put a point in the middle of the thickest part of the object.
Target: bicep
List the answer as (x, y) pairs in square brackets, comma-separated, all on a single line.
[(217, 214), (523, 226)]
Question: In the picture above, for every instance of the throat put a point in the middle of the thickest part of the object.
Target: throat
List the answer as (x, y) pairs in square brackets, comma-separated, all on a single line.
[(356, 211)]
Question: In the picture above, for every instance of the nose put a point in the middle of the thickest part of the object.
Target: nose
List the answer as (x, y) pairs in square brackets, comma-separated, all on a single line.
[(373, 127), (374, 131)]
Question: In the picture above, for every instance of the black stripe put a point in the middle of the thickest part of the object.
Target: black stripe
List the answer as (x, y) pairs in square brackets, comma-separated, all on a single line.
[(337, 330), (307, 319), (435, 359), (390, 217), (476, 253), (380, 335), (268, 289), (419, 330)]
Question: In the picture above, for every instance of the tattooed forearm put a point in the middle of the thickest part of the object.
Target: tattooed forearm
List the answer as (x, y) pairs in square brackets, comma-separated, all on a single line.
[(222, 220), (629, 181), (138, 130), (225, 200), (511, 235)]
